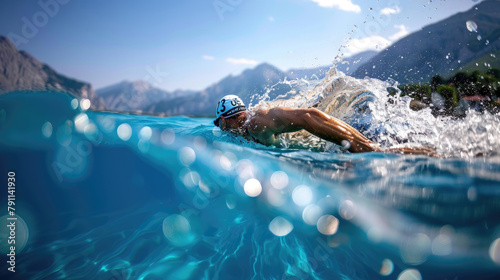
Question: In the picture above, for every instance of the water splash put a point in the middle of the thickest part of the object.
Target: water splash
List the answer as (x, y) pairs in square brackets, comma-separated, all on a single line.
[(365, 105)]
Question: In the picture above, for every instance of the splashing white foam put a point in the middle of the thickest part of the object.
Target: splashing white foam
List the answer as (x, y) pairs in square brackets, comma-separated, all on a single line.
[(364, 104)]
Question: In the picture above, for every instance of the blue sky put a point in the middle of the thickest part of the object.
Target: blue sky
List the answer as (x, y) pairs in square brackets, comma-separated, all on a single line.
[(192, 44)]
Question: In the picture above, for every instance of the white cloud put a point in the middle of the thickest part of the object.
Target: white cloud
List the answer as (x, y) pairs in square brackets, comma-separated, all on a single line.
[(271, 18), (208, 57), (239, 61), (345, 5), (403, 31), (375, 43), (390, 11)]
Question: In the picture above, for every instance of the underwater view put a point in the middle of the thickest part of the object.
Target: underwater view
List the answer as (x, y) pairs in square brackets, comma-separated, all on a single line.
[(113, 196), (376, 155)]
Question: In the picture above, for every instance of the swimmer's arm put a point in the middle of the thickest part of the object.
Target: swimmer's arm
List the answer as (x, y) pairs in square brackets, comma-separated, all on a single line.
[(321, 125)]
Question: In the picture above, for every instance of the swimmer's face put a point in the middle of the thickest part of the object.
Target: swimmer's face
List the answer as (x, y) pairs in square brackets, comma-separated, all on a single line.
[(234, 123)]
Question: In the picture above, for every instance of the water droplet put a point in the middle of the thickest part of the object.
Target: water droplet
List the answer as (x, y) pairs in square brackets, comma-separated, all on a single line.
[(47, 129), (328, 225), (186, 156), (495, 251), (472, 194), (410, 274), (471, 26), (167, 136), (190, 179), (74, 104), (416, 249), (252, 187), (85, 104), (177, 230), (441, 245), (124, 131), (280, 226), (279, 180), (311, 214), (81, 121), (225, 163), (347, 210), (387, 267), (230, 201), (302, 195), (145, 133)]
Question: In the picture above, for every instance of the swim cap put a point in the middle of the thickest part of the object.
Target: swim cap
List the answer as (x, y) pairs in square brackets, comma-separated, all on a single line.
[(228, 106)]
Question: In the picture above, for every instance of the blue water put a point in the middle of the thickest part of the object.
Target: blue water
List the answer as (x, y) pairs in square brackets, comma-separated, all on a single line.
[(114, 196)]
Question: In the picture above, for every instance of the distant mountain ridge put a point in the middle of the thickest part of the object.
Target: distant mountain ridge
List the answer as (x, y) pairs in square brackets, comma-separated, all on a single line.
[(250, 82), (440, 48), (135, 96), (21, 71)]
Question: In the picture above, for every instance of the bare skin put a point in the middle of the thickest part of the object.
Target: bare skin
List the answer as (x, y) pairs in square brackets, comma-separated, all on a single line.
[(265, 125)]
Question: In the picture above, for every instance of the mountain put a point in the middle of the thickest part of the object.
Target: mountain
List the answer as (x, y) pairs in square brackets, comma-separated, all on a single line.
[(441, 48), (21, 71), (249, 83), (135, 96)]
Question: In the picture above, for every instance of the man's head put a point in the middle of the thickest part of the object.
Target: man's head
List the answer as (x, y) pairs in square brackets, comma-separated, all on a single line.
[(230, 112)]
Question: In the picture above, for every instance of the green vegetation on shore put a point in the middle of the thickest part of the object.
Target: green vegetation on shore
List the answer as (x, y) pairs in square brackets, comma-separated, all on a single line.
[(479, 89)]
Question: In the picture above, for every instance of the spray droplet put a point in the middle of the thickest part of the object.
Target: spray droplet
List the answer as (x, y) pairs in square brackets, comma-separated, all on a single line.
[(471, 26)]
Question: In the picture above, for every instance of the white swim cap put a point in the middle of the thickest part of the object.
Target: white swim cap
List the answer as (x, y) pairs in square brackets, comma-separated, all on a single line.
[(229, 105)]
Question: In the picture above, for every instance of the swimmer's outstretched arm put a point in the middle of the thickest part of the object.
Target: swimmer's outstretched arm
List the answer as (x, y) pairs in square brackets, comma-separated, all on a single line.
[(267, 123)]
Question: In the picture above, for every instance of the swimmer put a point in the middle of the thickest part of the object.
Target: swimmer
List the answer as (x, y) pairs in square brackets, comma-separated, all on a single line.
[(264, 125)]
